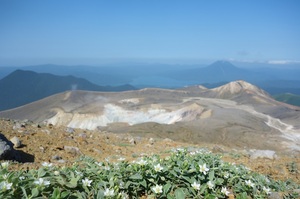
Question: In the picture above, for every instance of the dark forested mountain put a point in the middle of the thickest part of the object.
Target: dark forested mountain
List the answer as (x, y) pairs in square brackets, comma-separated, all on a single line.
[(22, 87)]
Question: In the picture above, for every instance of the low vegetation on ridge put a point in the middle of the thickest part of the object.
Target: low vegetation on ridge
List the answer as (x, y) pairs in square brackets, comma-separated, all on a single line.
[(186, 173)]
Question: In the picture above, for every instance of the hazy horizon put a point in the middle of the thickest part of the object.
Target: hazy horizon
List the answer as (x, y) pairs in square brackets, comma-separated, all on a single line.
[(172, 32)]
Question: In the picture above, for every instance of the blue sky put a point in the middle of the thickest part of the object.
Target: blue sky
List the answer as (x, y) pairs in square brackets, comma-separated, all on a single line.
[(92, 32)]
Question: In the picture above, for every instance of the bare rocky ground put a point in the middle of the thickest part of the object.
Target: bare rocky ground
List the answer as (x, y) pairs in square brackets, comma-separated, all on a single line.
[(62, 146)]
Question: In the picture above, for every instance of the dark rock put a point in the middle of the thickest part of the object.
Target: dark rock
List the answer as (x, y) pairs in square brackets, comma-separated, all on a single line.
[(7, 151)]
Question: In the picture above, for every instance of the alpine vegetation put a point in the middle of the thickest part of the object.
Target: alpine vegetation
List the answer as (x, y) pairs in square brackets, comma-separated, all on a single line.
[(194, 173)]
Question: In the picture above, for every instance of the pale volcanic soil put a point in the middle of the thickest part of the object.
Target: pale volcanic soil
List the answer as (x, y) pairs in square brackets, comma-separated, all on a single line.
[(58, 145)]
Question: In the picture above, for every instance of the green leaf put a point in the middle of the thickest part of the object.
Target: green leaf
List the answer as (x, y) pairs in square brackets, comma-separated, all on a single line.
[(64, 194), (211, 175), (179, 194), (136, 177), (100, 194), (210, 196), (189, 180), (41, 172), (34, 192), (73, 182), (144, 183), (167, 188), (24, 192), (169, 196), (55, 194)]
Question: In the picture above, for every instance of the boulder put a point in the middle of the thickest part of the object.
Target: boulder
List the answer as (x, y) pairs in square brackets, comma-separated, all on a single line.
[(268, 154), (16, 141), (73, 150), (7, 151)]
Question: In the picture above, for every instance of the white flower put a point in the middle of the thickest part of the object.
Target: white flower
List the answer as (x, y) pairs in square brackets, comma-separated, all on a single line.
[(22, 177), (78, 173), (180, 149), (98, 163), (5, 176), (47, 164), (5, 186), (249, 183), (109, 192), (226, 175), (158, 168), (196, 185), (4, 164), (203, 169), (267, 190), (56, 173), (157, 189), (42, 182), (107, 168), (121, 159), (123, 195), (142, 162), (225, 191), (210, 185), (86, 182)]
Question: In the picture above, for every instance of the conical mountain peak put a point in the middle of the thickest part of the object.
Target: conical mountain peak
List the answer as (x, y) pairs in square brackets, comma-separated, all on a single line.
[(239, 86), (222, 65)]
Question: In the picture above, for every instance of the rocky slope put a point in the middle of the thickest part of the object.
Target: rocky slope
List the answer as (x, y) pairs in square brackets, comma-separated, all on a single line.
[(238, 113), (62, 146)]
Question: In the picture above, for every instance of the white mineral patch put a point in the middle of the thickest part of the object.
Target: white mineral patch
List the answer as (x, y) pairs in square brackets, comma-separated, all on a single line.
[(113, 113), (130, 101)]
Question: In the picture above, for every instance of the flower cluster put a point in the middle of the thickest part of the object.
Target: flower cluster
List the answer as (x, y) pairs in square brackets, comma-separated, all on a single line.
[(183, 174)]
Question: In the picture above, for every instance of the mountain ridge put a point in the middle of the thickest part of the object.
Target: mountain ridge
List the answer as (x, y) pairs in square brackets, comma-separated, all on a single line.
[(241, 117), (22, 87)]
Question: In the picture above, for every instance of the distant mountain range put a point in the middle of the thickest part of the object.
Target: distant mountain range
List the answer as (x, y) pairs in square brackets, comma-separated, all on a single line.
[(22, 87), (273, 80)]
